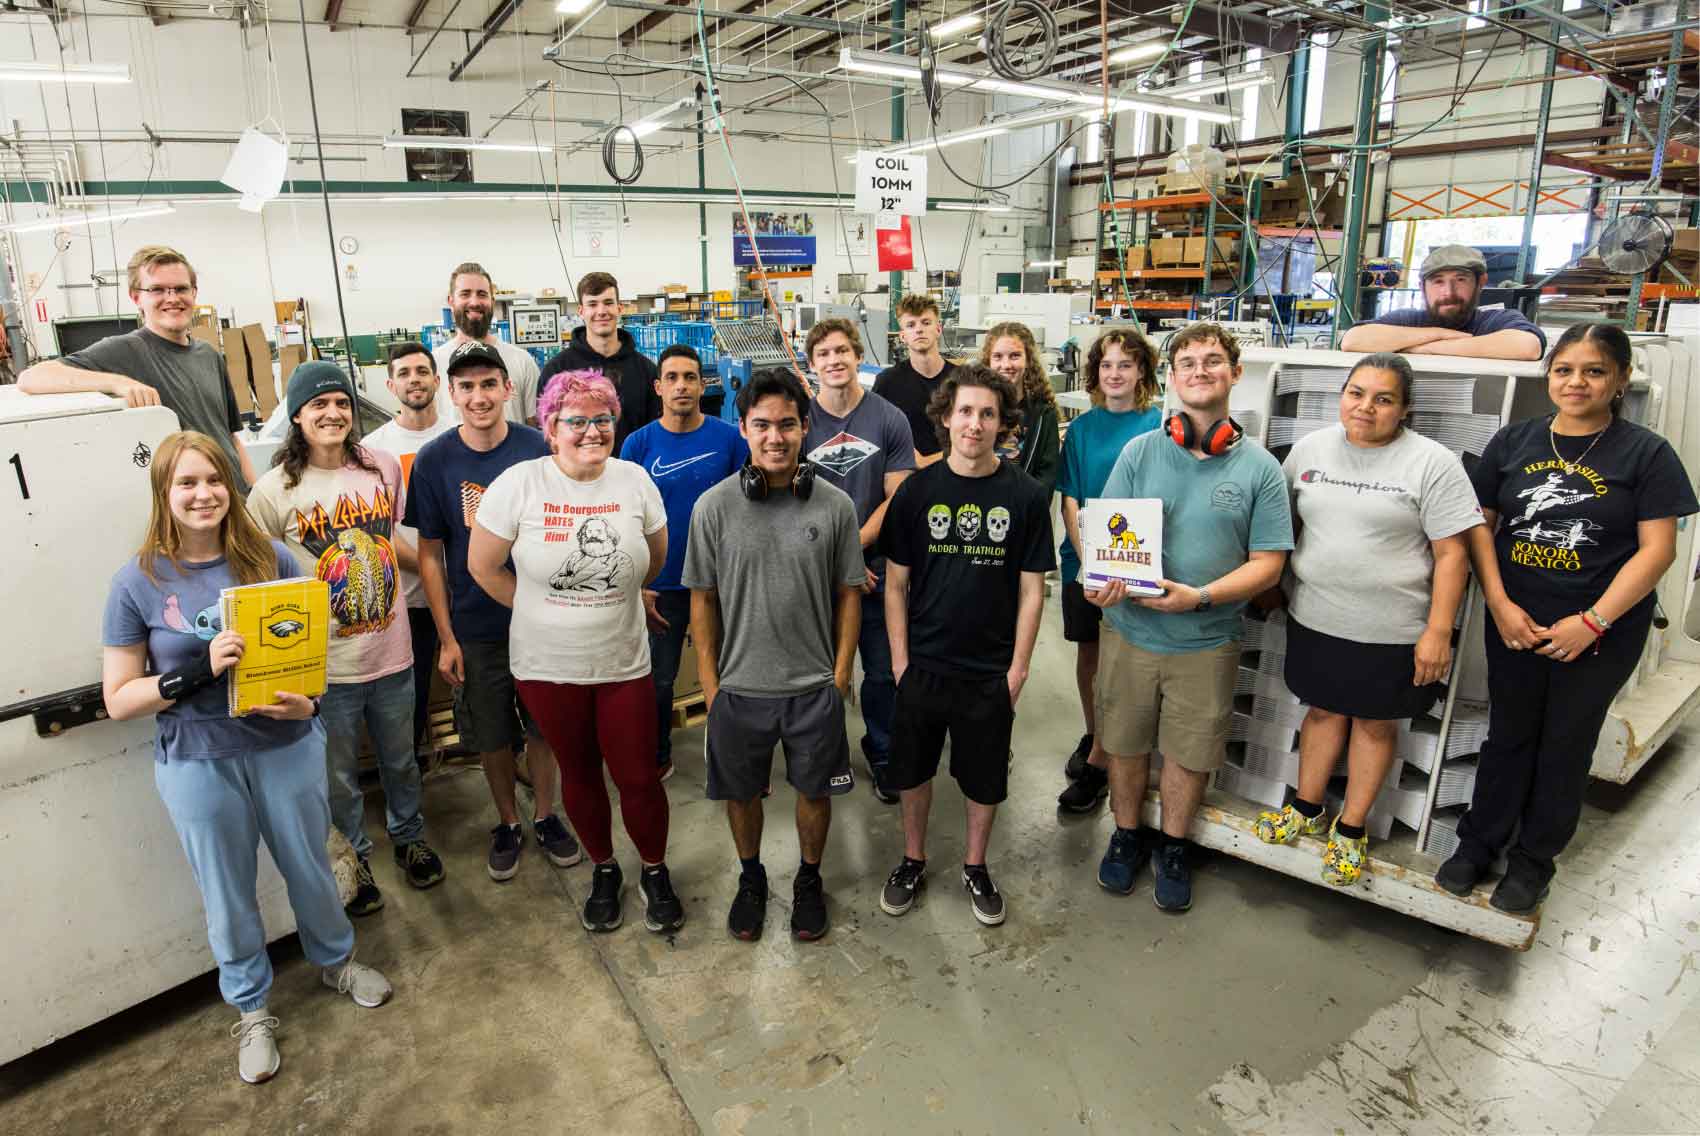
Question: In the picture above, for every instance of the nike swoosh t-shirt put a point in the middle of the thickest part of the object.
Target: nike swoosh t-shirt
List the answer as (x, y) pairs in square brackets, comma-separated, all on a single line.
[(684, 467)]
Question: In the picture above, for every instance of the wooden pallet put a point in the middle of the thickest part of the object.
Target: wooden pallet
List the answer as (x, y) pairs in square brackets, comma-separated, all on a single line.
[(690, 710)]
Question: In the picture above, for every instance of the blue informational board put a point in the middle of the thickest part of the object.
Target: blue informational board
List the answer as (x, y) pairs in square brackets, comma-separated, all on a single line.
[(774, 250)]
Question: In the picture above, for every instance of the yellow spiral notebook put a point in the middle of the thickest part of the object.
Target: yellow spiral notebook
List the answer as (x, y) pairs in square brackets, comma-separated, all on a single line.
[(285, 625)]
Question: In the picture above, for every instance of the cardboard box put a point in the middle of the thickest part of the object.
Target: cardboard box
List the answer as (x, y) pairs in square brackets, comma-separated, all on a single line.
[(1169, 250), (1226, 252), (675, 289), (1686, 241), (688, 682), (236, 365)]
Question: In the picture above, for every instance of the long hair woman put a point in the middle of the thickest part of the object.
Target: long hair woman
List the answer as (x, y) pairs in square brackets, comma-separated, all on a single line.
[(1035, 445), (228, 783)]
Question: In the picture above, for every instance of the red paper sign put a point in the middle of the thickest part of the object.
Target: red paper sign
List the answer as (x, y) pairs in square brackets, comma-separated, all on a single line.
[(896, 253), (41, 311)]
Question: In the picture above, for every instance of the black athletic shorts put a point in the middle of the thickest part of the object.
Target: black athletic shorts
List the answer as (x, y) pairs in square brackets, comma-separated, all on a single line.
[(488, 714), (744, 728), (1080, 617), (974, 712)]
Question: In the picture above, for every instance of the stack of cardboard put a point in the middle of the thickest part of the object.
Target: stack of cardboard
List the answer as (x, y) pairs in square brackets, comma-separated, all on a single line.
[(1684, 258), (1289, 200)]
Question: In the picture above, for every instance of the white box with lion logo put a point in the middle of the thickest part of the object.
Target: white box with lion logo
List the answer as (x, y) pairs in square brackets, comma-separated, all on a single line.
[(1122, 539)]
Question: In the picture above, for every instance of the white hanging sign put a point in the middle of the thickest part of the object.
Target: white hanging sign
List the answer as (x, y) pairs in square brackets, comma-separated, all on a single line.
[(596, 229), (891, 183)]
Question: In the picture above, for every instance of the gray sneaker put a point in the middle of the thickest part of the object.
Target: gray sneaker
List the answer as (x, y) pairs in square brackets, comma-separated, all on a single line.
[(898, 896), (505, 843), (557, 843), (366, 986), (256, 1048), (983, 894)]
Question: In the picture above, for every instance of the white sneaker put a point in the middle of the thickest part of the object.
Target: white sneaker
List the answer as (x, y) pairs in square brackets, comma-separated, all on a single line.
[(366, 986), (256, 1049)]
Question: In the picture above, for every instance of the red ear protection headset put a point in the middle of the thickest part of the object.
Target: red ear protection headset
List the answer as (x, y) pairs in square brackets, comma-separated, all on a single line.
[(754, 482), (1218, 438)]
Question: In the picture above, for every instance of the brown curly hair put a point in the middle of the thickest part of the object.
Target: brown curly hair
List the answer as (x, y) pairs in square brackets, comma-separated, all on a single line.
[(1134, 344), (1035, 387), (973, 374)]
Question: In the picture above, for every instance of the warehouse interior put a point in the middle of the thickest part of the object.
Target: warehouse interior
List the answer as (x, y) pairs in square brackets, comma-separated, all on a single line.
[(1280, 167)]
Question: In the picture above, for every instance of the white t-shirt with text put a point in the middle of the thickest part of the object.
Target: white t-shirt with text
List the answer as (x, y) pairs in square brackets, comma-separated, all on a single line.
[(394, 438)]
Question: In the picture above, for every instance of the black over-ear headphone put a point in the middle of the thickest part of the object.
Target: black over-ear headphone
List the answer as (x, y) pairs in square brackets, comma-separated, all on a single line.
[(754, 482), (1218, 438)]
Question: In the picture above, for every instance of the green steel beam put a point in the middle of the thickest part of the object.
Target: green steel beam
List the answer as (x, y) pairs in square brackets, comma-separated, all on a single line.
[(1524, 256), (1372, 57), (895, 280), (1298, 82)]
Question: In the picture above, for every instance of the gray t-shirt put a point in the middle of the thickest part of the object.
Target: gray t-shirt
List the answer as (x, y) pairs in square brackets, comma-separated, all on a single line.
[(777, 566), (1363, 569), (190, 380), (857, 451)]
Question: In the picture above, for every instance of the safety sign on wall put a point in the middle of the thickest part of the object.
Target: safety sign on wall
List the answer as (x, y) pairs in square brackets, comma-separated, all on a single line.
[(891, 183), (596, 229)]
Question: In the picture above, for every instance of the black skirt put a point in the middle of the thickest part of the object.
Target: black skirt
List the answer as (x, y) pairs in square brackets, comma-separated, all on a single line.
[(1361, 680)]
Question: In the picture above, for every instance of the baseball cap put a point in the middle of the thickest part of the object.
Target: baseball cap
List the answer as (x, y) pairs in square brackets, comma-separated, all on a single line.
[(475, 354), (1462, 258)]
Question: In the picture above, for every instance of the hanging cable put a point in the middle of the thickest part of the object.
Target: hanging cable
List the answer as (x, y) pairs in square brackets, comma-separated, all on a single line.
[(325, 195), (996, 43), (609, 142)]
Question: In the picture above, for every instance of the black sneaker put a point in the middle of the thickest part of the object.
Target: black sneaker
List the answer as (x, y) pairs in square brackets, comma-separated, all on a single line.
[(505, 843), (602, 909), (1459, 875), (808, 908), (749, 907), (423, 867), (878, 777), (1075, 767), (899, 894), (1084, 793), (1518, 893), (557, 843), (983, 894), (662, 911), (367, 897)]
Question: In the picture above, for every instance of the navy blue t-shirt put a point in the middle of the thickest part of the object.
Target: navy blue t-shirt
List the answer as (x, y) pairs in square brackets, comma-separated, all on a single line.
[(177, 616), (684, 467), (1484, 321), (448, 482)]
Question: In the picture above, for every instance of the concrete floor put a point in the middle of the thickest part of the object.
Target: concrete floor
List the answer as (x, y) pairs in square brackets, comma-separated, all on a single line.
[(1273, 1007)]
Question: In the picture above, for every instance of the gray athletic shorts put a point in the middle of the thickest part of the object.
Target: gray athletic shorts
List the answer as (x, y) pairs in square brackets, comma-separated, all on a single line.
[(743, 729), (488, 716)]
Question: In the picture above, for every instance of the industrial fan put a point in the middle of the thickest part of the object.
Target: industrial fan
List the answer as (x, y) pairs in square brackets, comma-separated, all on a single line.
[(1634, 244)]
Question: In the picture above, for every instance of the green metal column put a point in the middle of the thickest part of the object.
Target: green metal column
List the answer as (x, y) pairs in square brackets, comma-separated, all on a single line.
[(895, 279), (702, 183), (1372, 57), (1298, 82), (1667, 106), (1524, 256)]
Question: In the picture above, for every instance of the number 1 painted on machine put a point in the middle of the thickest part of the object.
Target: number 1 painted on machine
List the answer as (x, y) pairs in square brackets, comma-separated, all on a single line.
[(17, 461)]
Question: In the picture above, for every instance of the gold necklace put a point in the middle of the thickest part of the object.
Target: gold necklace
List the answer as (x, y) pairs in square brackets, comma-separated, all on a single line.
[(1569, 466)]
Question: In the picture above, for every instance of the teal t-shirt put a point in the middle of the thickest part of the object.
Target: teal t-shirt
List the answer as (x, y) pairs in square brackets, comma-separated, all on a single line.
[(1215, 512), (1094, 441)]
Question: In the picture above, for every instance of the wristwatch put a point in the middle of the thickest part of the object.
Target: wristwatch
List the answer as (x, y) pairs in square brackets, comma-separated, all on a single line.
[(1203, 600)]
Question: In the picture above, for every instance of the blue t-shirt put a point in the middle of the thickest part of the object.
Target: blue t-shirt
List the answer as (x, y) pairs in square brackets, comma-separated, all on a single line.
[(177, 618), (684, 467), (1482, 322), (448, 482), (1095, 440), (1215, 512)]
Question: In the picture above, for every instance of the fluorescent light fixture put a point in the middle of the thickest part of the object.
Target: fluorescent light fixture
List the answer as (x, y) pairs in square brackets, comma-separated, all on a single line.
[(950, 75), (453, 142), (1139, 51), (595, 9), (72, 220), (1044, 264), (954, 25), (970, 207), (1221, 84), (21, 72), (670, 115), (573, 7)]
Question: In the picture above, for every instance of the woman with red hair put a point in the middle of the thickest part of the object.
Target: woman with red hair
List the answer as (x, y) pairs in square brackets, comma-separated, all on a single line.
[(585, 532)]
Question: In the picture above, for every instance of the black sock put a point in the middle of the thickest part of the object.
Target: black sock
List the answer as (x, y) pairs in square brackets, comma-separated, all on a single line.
[(808, 871), (752, 866), (1353, 831), (1136, 833), (1173, 841), (908, 859), (1305, 809), (981, 865)]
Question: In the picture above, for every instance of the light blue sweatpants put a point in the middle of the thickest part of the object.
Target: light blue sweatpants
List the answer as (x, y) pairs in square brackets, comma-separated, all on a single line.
[(222, 808)]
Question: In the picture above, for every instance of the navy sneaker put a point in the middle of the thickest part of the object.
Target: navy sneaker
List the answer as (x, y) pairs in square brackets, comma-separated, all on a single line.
[(505, 844), (1120, 866), (1174, 879), (367, 897), (557, 843)]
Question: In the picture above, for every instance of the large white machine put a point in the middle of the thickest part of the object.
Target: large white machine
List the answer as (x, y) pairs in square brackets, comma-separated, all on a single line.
[(101, 908)]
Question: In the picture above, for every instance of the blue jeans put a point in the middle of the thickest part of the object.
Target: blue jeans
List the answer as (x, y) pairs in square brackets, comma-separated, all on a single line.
[(386, 706), (665, 649), (222, 808), (879, 690)]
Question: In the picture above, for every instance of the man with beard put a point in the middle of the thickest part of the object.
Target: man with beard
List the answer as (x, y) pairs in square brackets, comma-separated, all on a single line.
[(472, 301), (413, 381), (1450, 322), (603, 345)]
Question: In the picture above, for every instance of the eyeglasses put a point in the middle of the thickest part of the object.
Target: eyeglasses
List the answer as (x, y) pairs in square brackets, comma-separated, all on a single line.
[(1210, 363), (578, 423), (161, 291)]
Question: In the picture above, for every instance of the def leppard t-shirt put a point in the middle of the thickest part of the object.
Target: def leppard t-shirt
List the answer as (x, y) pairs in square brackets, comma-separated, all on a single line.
[(966, 542), (1563, 536)]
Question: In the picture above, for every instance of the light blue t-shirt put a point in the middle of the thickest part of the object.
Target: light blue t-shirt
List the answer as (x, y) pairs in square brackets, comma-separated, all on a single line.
[(1215, 512), (1095, 440), (684, 467), (177, 617)]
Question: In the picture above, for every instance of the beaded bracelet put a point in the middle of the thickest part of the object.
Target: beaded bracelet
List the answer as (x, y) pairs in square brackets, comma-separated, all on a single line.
[(1605, 624)]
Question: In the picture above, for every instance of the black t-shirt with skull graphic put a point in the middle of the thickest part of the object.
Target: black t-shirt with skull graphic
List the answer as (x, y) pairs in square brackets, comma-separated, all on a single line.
[(966, 542), (1563, 536)]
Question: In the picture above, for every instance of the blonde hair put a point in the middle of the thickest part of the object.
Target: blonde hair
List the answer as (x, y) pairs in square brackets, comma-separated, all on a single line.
[(157, 256), (249, 551), (1035, 387)]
